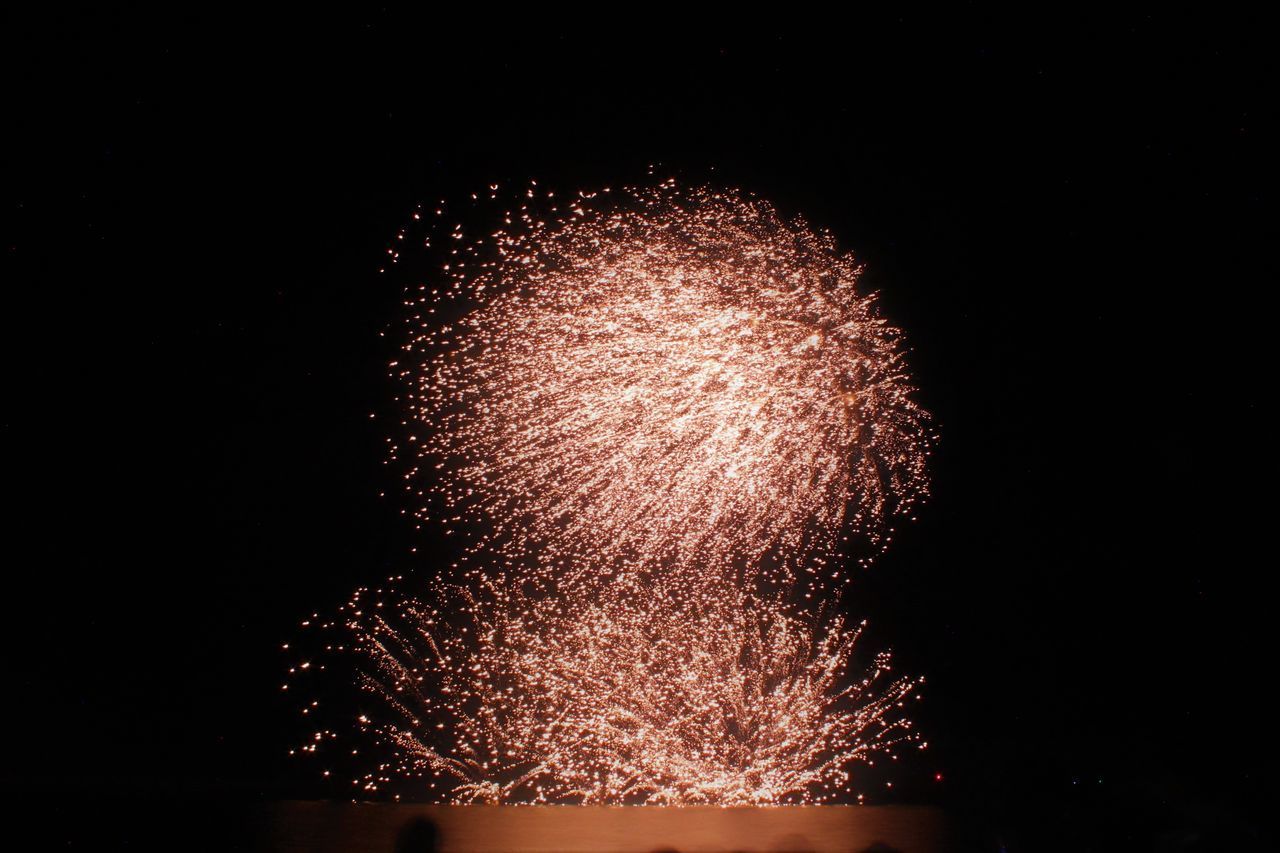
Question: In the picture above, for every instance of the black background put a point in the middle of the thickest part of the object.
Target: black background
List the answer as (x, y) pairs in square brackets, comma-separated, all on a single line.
[(1065, 215)]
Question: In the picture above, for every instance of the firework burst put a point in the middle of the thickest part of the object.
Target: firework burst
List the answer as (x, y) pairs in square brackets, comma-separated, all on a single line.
[(641, 699), (672, 379)]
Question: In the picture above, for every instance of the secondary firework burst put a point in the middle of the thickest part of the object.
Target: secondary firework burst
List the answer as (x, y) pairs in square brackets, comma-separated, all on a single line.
[(676, 380), (640, 699)]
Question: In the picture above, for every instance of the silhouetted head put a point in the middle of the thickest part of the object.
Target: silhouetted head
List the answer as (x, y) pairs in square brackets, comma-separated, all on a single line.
[(418, 836)]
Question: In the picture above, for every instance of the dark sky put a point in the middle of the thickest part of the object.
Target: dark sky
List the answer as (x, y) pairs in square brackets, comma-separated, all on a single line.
[(1065, 215)]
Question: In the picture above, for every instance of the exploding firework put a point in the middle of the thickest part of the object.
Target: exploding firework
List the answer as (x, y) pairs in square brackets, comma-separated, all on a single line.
[(640, 699), (639, 405), (679, 380)]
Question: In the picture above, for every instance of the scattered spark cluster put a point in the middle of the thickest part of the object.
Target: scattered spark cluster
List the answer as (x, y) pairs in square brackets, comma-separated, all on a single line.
[(665, 378), (642, 698), (654, 415)]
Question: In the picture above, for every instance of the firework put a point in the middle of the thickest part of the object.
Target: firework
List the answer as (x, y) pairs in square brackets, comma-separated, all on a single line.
[(653, 412), (671, 379), (639, 699)]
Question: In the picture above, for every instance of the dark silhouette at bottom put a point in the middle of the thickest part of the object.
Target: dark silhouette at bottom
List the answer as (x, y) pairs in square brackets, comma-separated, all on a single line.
[(418, 836)]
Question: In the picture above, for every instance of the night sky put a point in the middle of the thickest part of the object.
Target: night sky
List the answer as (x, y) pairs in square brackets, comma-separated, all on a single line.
[(1066, 217)]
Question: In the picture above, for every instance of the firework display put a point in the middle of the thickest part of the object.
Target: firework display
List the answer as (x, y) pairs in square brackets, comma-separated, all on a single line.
[(654, 415)]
